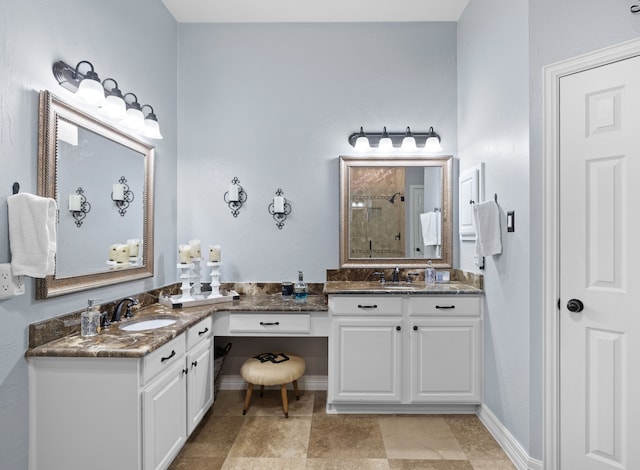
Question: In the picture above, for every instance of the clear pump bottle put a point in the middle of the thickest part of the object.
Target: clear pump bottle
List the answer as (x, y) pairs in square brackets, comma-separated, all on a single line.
[(300, 289), (90, 319), (429, 275)]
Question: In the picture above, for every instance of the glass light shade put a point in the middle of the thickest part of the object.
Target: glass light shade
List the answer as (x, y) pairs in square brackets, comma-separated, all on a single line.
[(134, 120), (114, 107), (151, 129), (433, 144), (385, 145), (91, 92), (409, 144), (362, 144)]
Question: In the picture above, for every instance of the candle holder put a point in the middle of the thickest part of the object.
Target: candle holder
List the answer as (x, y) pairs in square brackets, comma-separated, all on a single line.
[(185, 275), (127, 197), (197, 282), (215, 279), (279, 213), (85, 208), (235, 203)]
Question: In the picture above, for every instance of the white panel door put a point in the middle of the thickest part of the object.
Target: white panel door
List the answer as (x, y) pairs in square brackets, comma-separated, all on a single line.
[(599, 257), (199, 383)]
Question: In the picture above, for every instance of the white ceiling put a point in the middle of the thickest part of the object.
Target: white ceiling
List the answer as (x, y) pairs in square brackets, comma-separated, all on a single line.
[(271, 11)]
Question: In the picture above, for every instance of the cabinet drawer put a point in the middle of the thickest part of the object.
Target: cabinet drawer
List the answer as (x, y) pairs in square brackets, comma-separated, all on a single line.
[(467, 306), (198, 332), (365, 305), (163, 358), (269, 323)]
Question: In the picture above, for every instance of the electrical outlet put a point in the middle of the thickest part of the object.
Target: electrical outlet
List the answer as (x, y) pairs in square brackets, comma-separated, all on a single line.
[(10, 285)]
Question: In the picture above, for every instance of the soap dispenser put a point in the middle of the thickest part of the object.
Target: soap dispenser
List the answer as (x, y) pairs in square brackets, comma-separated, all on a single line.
[(429, 275), (300, 289), (90, 319)]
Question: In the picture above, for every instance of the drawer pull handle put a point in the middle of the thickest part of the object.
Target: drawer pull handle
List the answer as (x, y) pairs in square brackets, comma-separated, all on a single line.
[(200, 333), (367, 306), (445, 307), (267, 323), (173, 353)]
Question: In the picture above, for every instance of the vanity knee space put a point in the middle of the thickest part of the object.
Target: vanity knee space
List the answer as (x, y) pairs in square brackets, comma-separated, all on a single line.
[(409, 350)]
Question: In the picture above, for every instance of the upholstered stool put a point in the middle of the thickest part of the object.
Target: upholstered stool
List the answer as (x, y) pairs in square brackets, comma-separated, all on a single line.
[(272, 369)]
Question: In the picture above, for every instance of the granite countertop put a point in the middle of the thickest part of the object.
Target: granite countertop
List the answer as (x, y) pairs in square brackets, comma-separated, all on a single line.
[(114, 342), (399, 288)]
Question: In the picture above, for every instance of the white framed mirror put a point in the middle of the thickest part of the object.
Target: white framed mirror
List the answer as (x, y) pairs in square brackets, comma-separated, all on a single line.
[(395, 211), (78, 151)]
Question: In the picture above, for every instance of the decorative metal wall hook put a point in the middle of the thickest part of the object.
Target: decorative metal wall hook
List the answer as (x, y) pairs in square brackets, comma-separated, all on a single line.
[(122, 195), (279, 209), (235, 197), (85, 208)]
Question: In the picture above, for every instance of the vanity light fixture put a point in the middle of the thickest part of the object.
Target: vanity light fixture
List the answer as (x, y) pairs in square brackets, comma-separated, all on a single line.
[(361, 142), (79, 206), (432, 143), (115, 105), (388, 142), (279, 209), (122, 195), (151, 128), (235, 197), (134, 119)]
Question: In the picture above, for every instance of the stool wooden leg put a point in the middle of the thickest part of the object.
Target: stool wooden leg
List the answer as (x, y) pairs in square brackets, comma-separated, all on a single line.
[(261, 391), (247, 399), (295, 387), (285, 403)]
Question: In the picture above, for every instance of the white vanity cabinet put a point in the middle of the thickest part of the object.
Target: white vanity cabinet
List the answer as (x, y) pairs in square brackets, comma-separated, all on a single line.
[(404, 350), (365, 350), (130, 413), (446, 353), (200, 376)]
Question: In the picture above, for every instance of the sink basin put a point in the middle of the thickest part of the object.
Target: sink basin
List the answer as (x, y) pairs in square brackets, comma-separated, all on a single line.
[(150, 324)]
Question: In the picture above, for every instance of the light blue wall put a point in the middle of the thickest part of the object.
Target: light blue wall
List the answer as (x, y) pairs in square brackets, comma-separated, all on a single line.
[(273, 104), (493, 110), (134, 42)]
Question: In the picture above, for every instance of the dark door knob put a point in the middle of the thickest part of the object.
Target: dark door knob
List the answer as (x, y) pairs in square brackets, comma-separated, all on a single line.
[(575, 306)]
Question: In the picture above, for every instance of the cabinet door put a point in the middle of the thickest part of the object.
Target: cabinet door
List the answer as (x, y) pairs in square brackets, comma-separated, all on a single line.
[(164, 409), (365, 359), (446, 361), (199, 383)]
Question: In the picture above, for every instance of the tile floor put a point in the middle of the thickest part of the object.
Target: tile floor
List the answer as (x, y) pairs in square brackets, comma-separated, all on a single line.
[(311, 439)]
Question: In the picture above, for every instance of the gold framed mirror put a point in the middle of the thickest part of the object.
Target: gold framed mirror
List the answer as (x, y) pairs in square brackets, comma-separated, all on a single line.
[(395, 211), (76, 152)]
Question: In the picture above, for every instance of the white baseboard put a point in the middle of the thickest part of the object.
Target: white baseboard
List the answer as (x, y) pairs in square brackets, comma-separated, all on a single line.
[(509, 444), (306, 382)]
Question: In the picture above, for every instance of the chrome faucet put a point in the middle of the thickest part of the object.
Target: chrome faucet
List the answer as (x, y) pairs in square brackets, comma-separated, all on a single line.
[(396, 275), (381, 275), (117, 312)]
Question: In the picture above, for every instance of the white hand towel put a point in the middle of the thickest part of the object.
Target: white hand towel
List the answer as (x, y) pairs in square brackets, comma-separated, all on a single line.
[(488, 236), (431, 228), (32, 235)]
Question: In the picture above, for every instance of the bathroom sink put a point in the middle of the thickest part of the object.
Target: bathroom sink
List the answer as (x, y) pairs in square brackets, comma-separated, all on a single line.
[(149, 324)]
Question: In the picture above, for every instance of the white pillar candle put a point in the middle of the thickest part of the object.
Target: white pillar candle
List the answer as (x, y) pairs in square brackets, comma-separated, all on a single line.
[(118, 192), (75, 202), (278, 204), (214, 253), (234, 192), (112, 252), (184, 254), (122, 254), (195, 248), (134, 246)]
